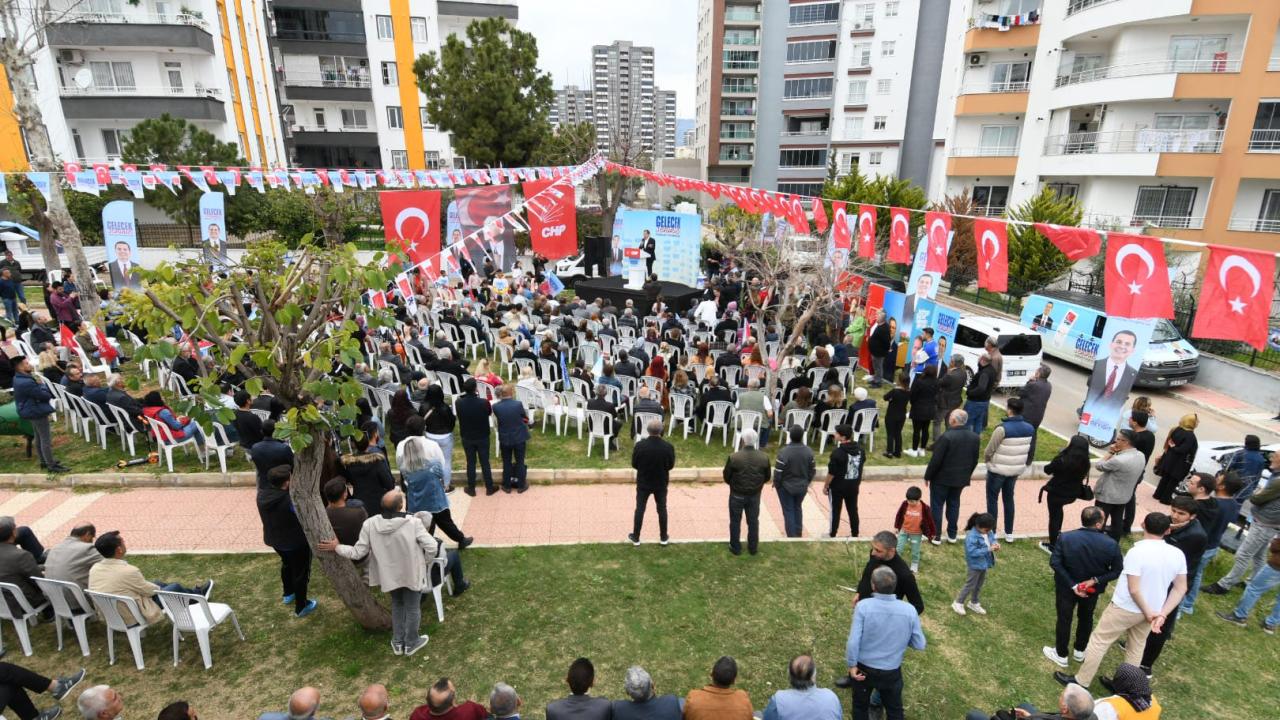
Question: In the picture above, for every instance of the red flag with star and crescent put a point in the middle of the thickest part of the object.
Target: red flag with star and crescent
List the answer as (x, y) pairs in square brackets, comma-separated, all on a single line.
[(899, 235), (411, 219), (1137, 282), (1074, 242), (1235, 299), (840, 225), (867, 231), (937, 231), (819, 215), (992, 237)]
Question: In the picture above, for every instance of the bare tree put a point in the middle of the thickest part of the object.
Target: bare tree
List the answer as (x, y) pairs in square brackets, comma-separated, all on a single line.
[(23, 27), (626, 147)]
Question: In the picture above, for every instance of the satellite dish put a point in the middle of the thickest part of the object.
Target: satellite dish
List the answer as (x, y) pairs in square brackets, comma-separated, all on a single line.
[(83, 78)]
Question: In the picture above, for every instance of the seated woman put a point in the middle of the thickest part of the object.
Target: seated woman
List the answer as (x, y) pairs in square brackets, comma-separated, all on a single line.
[(484, 373), (529, 380), (48, 363), (182, 427), (1132, 700), (402, 409)]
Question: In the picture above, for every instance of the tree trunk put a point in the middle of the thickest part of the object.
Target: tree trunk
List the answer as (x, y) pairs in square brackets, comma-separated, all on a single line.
[(304, 490)]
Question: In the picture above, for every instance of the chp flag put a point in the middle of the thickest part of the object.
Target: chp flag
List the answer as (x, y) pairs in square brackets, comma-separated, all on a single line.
[(1235, 300), (411, 220), (553, 217)]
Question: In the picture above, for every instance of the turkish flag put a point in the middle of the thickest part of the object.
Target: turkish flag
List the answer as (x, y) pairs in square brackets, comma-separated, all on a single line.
[(819, 215), (993, 254), (411, 219), (899, 235), (840, 235), (799, 220), (937, 231), (1137, 277), (377, 299), (1236, 305), (1076, 243), (866, 231), (553, 217)]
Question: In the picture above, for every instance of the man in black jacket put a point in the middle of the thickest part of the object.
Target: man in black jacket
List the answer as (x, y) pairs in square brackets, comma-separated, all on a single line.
[(1083, 562), (282, 531), (600, 402), (247, 423), (978, 394), (884, 553), (652, 459), (714, 392), (844, 478), (878, 342), (955, 455), (116, 395), (473, 424), (1035, 399), (269, 452)]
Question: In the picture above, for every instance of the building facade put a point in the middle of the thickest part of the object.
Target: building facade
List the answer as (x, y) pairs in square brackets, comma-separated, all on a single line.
[(1159, 117), (664, 124), (572, 106)]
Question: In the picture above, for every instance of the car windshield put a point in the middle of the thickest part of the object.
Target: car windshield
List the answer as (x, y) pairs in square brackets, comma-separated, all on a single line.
[(1019, 344), (1164, 332)]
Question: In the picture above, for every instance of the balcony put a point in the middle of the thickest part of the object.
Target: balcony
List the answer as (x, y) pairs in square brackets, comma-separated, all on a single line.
[(983, 38), (134, 102), (985, 151), (741, 65), (983, 161), (328, 85), (116, 30), (1264, 141), (740, 89), (1100, 221), (738, 135), (745, 155), (863, 28), (1261, 225), (1137, 141), (739, 14), (992, 98), (1150, 67)]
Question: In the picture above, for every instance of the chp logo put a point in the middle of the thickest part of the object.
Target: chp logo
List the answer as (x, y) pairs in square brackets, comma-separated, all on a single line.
[(554, 222)]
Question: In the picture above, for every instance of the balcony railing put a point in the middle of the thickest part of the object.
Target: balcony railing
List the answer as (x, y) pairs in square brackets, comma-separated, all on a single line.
[(325, 35), (864, 26), (328, 79), (1076, 6), (1254, 225), (738, 40), (1136, 141), (736, 156), (332, 128), (139, 91), (1101, 221), (995, 87), (716, 177), (738, 135), (739, 89), (730, 111), (1150, 67), (734, 14), (806, 133), (741, 64), (1264, 141), (985, 151), (135, 19)]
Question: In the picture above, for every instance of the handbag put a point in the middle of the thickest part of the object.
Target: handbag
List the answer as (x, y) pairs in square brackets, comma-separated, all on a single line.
[(1086, 490)]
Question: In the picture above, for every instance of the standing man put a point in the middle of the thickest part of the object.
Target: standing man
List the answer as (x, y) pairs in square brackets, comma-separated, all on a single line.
[(878, 341), (792, 473), (15, 271), (1145, 441), (1263, 526), (1152, 584), (33, 399), (978, 394), (1008, 455), (282, 532), (473, 423), (1265, 579), (950, 394), (949, 472), (1188, 535), (652, 459), (9, 294), (997, 361), (513, 438), (1083, 562), (844, 479), (648, 246), (1121, 470), (1035, 399), (746, 471), (882, 630), (1225, 487)]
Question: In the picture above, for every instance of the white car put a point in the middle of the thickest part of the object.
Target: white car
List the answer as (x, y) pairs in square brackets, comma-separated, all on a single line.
[(1213, 455), (571, 267), (1019, 344)]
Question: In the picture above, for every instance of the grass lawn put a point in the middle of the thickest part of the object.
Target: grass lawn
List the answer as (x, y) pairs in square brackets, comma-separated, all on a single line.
[(672, 610)]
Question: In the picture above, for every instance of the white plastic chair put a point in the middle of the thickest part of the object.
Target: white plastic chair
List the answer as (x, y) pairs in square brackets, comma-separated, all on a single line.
[(588, 352), (439, 565), (503, 353), (801, 417), (472, 341), (137, 344), (395, 371), (548, 371), (521, 364), (551, 403), (89, 367), (178, 386), (599, 425), (103, 424), (531, 399), (580, 387), (109, 610), (124, 426), (486, 391), (755, 372), (730, 375), (642, 420), (654, 384), (216, 442), (70, 604), (195, 614), (11, 596), (570, 407), (682, 411), (719, 415), (744, 420), (863, 422), (167, 442), (830, 419)]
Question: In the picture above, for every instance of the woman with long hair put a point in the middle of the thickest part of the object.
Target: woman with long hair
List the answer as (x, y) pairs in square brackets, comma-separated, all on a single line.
[(924, 405), (484, 373), (181, 427), (398, 416), (1067, 472), (421, 465), (1174, 464), (438, 421)]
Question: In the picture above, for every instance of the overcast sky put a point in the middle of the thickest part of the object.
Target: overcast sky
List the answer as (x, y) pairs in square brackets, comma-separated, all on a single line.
[(566, 30)]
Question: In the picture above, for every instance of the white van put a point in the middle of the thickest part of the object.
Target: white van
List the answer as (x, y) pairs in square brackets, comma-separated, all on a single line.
[(1019, 344)]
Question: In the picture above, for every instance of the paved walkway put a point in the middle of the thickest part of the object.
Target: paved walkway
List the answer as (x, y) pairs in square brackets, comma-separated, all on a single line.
[(164, 520)]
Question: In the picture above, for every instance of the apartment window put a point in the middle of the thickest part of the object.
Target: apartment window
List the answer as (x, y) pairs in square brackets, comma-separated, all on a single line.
[(888, 48), (741, 59), (418, 29), (737, 107), (1010, 76), (848, 162), (1198, 53), (853, 127), (864, 15), (884, 87), (355, 118), (426, 121), (433, 160), (991, 199), (390, 74), (736, 131), (815, 13), (891, 9), (741, 37), (803, 158), (1269, 214), (318, 114), (998, 140), (1063, 190), (386, 31), (1164, 205), (302, 24), (395, 117), (807, 88), (861, 54), (399, 159), (737, 84), (801, 189), (857, 92), (75, 138), (811, 51), (113, 76), (875, 157), (879, 122), (112, 140), (1173, 121)]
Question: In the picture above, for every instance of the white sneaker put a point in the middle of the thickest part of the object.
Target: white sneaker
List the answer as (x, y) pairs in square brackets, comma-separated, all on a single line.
[(952, 540), (421, 643), (1079, 656), (1008, 537), (1054, 657), (915, 568), (397, 648), (958, 608), (936, 541), (976, 608)]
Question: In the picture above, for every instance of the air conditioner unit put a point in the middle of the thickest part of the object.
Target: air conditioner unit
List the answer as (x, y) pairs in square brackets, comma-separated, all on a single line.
[(976, 60), (71, 57)]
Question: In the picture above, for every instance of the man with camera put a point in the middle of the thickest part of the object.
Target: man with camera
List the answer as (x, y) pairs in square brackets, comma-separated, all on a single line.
[(1083, 562), (1075, 703)]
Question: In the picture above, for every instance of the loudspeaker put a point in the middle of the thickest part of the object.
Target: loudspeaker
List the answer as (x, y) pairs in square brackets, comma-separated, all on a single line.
[(596, 250)]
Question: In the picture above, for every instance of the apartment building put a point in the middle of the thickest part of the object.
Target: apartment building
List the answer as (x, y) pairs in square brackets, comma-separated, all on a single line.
[(572, 106), (664, 123), (345, 78), (785, 88), (109, 64), (628, 109), (1160, 117)]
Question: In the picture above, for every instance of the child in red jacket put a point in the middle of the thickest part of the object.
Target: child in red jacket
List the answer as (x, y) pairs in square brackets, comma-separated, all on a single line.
[(913, 521)]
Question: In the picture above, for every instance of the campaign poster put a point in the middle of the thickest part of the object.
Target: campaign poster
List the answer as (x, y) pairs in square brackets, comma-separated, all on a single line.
[(945, 323), (1118, 357), (920, 285), (480, 208), (120, 235), (213, 230), (875, 302), (923, 318), (616, 246), (674, 240), (551, 209), (894, 306)]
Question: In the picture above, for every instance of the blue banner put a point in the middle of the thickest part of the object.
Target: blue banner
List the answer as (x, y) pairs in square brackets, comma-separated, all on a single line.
[(1118, 359), (120, 235), (213, 229), (945, 323), (670, 242), (41, 182)]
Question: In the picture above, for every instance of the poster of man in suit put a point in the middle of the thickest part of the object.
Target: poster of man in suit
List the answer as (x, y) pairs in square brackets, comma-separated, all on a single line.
[(1119, 356), (120, 234)]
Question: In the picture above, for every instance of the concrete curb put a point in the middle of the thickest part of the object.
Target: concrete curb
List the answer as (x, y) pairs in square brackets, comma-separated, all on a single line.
[(548, 476)]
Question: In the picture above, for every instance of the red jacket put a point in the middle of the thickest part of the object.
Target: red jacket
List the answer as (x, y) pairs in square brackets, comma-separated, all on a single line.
[(926, 520)]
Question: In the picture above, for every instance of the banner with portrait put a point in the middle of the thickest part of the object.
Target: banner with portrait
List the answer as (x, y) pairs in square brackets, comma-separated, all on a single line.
[(1117, 360), (945, 323), (482, 208), (120, 235), (213, 230), (922, 284), (670, 243)]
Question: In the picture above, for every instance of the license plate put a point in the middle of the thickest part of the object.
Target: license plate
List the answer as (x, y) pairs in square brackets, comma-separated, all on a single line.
[(1016, 373), (1175, 383)]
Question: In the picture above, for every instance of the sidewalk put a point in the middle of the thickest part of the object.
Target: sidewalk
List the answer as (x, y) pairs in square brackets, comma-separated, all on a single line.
[(1260, 418), (225, 520)]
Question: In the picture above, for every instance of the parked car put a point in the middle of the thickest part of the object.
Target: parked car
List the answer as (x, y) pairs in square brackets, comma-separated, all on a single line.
[(1020, 346)]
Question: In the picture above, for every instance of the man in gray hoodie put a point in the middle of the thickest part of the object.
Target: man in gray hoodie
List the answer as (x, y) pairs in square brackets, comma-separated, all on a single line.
[(793, 471)]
